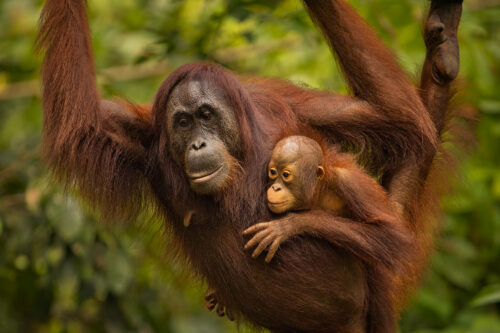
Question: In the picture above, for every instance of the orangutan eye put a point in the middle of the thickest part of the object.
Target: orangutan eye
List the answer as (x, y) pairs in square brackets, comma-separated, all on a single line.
[(286, 174), (205, 112), (273, 173), (183, 122)]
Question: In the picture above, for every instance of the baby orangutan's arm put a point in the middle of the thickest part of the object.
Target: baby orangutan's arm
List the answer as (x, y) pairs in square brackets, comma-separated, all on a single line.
[(373, 242)]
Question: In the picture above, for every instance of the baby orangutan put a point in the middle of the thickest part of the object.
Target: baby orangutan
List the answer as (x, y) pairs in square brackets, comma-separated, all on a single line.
[(296, 167), (304, 178)]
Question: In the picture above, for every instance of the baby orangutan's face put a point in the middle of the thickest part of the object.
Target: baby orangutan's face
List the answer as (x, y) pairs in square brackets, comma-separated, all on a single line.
[(279, 196), (294, 171)]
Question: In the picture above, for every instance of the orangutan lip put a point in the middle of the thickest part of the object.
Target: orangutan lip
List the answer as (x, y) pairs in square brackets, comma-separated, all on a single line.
[(205, 177), (277, 203)]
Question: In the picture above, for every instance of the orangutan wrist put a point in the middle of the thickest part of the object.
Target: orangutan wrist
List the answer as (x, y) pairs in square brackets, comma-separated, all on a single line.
[(298, 224)]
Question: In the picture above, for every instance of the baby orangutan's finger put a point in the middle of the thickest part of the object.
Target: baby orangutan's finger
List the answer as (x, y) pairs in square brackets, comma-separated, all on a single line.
[(256, 227), (262, 246), (272, 249), (255, 239)]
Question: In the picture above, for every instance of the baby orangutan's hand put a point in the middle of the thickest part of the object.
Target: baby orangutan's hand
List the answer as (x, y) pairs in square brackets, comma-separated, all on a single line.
[(271, 233), (213, 302)]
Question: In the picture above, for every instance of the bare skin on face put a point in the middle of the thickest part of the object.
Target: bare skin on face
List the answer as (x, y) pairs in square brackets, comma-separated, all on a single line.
[(204, 136), (295, 169)]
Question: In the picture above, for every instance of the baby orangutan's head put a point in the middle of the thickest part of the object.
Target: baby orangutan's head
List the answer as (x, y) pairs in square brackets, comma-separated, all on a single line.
[(295, 168)]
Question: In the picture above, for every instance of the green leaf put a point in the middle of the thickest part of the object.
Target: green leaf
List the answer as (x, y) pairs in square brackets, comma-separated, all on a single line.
[(489, 295), (490, 106), (119, 272), (66, 215)]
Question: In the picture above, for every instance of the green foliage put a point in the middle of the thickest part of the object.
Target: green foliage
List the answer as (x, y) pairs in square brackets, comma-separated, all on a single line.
[(60, 270)]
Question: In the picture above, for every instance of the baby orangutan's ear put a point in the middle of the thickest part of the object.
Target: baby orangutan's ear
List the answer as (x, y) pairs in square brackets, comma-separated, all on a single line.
[(320, 172)]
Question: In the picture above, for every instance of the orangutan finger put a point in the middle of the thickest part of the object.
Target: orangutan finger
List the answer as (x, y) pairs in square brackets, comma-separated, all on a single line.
[(256, 227), (255, 239), (272, 249), (211, 306), (210, 295), (262, 245), (220, 310), (229, 315)]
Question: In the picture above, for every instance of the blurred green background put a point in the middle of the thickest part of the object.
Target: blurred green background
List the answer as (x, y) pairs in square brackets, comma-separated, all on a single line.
[(63, 271)]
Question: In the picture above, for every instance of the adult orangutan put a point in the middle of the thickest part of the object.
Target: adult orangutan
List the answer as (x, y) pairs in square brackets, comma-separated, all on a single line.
[(204, 146)]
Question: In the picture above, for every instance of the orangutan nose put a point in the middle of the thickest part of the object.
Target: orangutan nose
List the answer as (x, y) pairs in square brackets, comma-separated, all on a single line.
[(197, 145), (276, 187)]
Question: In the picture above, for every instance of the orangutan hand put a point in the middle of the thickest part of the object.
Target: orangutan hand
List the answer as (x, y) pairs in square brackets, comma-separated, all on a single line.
[(271, 233), (212, 302)]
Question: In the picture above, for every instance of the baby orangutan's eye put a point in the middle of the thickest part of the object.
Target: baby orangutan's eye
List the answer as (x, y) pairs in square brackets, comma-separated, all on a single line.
[(273, 173), (286, 174)]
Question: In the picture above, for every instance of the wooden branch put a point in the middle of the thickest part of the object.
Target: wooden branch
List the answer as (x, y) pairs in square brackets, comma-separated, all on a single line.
[(20, 90)]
